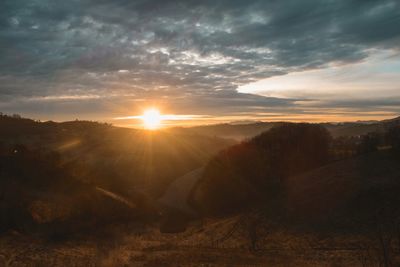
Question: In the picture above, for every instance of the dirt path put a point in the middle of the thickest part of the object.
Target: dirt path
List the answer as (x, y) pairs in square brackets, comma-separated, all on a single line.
[(176, 195), (115, 197)]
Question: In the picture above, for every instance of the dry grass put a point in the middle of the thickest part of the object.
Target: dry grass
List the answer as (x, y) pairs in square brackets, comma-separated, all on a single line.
[(195, 247)]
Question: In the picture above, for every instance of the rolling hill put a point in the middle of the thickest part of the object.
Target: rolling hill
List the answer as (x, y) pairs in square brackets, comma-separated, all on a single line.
[(249, 130), (355, 190), (118, 159)]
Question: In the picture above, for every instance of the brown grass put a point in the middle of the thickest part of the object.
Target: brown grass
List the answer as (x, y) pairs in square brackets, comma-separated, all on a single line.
[(146, 246)]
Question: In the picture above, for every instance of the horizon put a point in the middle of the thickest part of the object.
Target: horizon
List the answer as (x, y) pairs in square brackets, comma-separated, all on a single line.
[(140, 125)]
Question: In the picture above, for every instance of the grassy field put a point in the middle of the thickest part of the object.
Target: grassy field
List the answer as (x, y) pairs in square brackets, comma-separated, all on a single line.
[(205, 243)]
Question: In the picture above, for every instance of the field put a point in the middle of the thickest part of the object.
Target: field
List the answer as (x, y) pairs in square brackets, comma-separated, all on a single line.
[(195, 247)]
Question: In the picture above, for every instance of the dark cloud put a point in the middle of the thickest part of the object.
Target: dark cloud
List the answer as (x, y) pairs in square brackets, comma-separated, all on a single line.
[(195, 48)]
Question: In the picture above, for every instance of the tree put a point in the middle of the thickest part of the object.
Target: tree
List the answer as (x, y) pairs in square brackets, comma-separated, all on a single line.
[(393, 137), (369, 143)]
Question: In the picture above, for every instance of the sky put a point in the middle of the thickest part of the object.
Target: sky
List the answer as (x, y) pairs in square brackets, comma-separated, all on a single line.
[(200, 61)]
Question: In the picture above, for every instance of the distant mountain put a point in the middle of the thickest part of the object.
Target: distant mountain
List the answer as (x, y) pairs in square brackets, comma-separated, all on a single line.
[(246, 130), (360, 128), (236, 131)]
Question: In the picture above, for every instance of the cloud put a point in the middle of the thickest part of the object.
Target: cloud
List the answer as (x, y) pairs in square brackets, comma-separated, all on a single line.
[(195, 53)]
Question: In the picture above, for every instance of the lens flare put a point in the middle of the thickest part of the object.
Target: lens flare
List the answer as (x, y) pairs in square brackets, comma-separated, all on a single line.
[(151, 118)]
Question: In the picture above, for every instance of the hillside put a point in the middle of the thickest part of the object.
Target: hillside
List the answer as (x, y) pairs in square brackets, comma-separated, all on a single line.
[(63, 178), (119, 159), (354, 189)]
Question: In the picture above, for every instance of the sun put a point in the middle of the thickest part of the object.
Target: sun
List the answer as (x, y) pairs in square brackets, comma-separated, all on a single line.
[(151, 118)]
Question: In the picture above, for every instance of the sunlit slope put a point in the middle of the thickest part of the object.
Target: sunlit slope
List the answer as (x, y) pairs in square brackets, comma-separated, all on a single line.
[(118, 159)]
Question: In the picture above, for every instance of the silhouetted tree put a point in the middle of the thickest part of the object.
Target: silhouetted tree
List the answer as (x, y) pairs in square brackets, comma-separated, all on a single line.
[(369, 143), (393, 137)]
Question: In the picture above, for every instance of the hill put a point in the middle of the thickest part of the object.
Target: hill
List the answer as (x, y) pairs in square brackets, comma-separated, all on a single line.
[(61, 173), (251, 173), (118, 159), (278, 198), (360, 128), (354, 190)]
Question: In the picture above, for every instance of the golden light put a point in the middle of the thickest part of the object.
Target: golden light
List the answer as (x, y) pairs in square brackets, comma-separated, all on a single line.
[(151, 118)]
